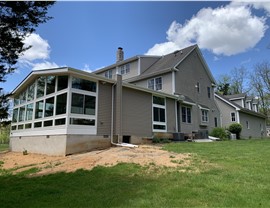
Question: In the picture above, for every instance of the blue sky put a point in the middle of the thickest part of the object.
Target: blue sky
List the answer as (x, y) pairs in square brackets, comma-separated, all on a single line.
[(85, 35)]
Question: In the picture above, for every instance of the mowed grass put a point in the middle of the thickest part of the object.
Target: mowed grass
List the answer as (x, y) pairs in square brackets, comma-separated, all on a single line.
[(222, 174)]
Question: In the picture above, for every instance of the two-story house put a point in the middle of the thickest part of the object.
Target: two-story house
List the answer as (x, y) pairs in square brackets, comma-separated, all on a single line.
[(242, 109), (64, 110)]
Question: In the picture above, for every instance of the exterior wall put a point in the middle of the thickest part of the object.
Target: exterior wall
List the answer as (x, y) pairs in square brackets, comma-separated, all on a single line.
[(104, 109), (113, 73), (49, 145), (226, 111), (240, 102), (171, 115), (133, 70), (166, 83), (136, 113), (191, 71), (257, 127)]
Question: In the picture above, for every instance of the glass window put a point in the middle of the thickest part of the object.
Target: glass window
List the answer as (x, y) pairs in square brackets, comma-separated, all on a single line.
[(13, 128), (30, 92), (28, 126), (23, 97), (158, 100), (151, 83), (186, 114), (89, 105), (37, 124), (108, 74), (15, 115), (50, 85), (20, 127), (22, 113), (159, 114), (62, 82), (61, 104), (77, 103), (247, 124), (204, 116), (233, 117), (198, 87), (29, 112), (83, 84), (16, 101), (80, 121), (155, 83), (159, 127), (48, 123), (209, 92), (40, 86), (60, 121), (39, 109), (49, 106)]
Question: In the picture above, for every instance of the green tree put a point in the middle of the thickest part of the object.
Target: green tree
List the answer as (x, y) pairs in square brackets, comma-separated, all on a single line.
[(18, 19)]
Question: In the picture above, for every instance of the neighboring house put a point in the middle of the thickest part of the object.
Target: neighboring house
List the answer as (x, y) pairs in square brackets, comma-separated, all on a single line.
[(63, 111), (242, 109)]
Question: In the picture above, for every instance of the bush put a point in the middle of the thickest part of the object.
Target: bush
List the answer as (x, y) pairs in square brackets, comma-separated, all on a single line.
[(235, 128), (160, 140), (4, 134), (219, 133)]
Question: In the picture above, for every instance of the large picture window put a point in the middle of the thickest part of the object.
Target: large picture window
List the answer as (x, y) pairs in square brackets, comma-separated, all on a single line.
[(61, 104), (39, 109), (159, 114), (29, 112), (62, 83), (50, 85), (83, 104), (40, 86), (83, 84), (49, 107)]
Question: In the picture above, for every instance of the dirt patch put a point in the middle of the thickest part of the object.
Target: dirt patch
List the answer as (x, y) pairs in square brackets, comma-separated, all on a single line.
[(143, 155)]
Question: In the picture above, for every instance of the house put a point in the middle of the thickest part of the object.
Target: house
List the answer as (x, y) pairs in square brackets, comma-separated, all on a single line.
[(242, 109), (64, 110)]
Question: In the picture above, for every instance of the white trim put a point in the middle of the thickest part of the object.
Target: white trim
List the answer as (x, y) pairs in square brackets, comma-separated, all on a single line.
[(176, 116), (139, 66), (157, 122), (237, 117), (173, 82)]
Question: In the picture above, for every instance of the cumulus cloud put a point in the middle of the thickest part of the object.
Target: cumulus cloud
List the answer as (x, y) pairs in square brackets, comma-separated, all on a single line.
[(40, 48), (225, 30)]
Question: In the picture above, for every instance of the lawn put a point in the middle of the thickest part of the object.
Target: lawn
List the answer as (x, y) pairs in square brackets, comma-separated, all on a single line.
[(223, 174), (4, 147)]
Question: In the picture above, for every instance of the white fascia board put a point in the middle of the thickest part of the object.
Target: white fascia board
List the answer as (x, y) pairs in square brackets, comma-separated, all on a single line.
[(229, 103)]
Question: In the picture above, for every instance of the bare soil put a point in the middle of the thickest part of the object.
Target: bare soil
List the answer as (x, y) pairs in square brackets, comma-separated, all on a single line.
[(143, 155)]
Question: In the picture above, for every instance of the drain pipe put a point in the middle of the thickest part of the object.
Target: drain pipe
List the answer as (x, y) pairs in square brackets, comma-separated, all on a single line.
[(112, 124)]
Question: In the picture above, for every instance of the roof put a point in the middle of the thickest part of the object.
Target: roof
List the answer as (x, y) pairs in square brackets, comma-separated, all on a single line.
[(238, 107), (235, 96)]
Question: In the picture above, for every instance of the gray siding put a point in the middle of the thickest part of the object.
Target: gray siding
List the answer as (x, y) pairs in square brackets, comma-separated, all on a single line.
[(104, 109), (191, 71), (166, 82), (257, 127), (171, 119), (137, 113)]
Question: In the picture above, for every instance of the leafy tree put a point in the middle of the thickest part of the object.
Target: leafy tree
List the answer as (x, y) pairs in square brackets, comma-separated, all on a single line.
[(18, 19), (223, 86)]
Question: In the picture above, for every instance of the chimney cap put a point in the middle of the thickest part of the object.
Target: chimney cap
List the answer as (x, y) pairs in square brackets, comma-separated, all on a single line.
[(120, 48)]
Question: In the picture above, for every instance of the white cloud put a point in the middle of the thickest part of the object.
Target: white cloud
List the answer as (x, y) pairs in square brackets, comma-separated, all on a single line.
[(86, 68), (44, 65), (40, 48), (227, 30)]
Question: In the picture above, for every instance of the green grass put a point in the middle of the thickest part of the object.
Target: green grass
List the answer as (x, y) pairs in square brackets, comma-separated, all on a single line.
[(4, 147), (223, 174)]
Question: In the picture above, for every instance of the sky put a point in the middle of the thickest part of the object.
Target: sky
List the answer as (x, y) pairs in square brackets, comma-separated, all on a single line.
[(85, 35)]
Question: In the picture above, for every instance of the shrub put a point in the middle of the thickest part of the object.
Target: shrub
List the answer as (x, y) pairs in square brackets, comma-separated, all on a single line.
[(219, 133), (235, 128)]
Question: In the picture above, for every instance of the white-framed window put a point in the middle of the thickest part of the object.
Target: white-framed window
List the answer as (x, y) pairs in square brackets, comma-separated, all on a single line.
[(155, 83), (186, 114), (159, 114), (108, 74), (233, 118), (124, 69), (205, 115)]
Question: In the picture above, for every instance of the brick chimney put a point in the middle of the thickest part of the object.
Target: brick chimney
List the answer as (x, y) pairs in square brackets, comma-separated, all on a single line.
[(119, 54)]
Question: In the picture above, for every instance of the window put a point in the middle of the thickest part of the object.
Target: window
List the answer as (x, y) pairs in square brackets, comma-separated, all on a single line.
[(40, 86), (83, 84), (209, 92), (20, 127), (247, 124), (39, 109), (50, 85), (37, 124), (62, 83), (61, 121), (49, 107), (155, 83), (216, 122), (48, 123), (61, 104), (22, 113), (23, 97), (186, 114), (198, 87), (15, 115), (31, 91), (81, 121), (83, 104), (204, 116), (233, 117), (28, 126), (29, 112), (159, 114), (108, 74), (125, 69)]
